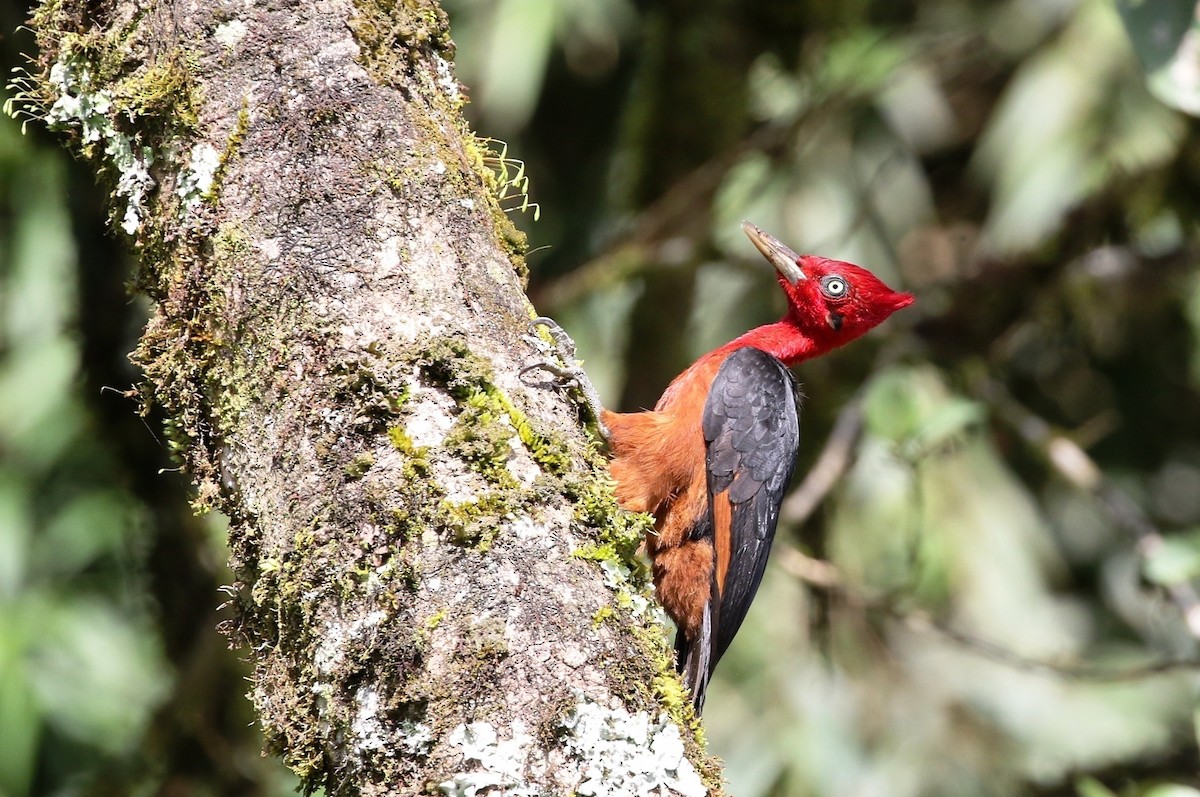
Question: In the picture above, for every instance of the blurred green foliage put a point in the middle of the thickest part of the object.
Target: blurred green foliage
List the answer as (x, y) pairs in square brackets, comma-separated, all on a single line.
[(80, 669), (1166, 38), (108, 642), (1026, 167)]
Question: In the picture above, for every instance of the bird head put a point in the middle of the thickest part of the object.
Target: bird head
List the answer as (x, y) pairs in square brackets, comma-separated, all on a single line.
[(829, 301)]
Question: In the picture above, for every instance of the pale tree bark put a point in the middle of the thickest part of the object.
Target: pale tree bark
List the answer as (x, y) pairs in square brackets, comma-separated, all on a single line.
[(433, 577)]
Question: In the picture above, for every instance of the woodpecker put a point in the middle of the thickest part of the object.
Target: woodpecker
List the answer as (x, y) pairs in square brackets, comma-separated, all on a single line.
[(713, 458)]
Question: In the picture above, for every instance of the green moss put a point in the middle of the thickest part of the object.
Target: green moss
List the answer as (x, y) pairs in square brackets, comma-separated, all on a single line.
[(507, 183), (392, 34), (230, 388), (513, 242), (548, 451), (448, 361), (400, 398), (481, 439), (303, 539), (424, 633), (156, 98), (395, 179), (435, 619), (416, 465), (163, 94), (404, 572), (488, 641), (420, 502), (488, 418), (233, 146), (133, 106), (419, 497), (177, 355), (475, 524), (376, 401), (619, 534), (358, 467), (398, 436), (601, 614)]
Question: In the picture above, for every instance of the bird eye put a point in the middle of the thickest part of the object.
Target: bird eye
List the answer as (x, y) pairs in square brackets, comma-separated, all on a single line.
[(834, 287)]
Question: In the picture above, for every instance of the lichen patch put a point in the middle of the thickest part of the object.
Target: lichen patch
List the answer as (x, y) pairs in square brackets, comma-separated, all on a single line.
[(335, 636), (196, 181), (628, 755), (229, 34), (490, 762), (89, 109), (369, 732), (428, 422)]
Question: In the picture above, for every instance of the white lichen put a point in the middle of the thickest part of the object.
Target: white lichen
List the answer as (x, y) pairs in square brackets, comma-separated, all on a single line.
[(230, 33), (416, 737), (390, 257), (445, 79), (196, 181), (618, 754), (619, 579), (336, 634), (91, 111), (525, 528), (369, 733), (494, 764), (270, 248), (628, 755)]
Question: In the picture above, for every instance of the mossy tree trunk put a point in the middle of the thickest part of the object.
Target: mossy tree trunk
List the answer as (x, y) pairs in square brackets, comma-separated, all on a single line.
[(434, 583)]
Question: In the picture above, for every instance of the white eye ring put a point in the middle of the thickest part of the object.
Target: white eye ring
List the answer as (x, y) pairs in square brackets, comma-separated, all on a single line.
[(834, 286)]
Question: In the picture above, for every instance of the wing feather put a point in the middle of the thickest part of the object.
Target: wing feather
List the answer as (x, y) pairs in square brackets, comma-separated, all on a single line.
[(751, 428)]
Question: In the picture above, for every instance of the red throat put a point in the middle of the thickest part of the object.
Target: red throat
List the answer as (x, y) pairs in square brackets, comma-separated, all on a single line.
[(782, 339)]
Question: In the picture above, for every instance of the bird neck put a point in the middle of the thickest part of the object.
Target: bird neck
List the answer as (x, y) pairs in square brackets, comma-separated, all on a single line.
[(782, 340)]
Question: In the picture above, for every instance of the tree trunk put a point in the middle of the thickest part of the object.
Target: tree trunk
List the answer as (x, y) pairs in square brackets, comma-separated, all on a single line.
[(338, 326)]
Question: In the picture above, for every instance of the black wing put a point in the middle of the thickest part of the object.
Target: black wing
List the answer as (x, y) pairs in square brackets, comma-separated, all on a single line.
[(751, 430)]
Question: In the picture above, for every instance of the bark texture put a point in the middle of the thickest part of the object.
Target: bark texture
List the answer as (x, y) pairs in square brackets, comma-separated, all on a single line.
[(339, 320)]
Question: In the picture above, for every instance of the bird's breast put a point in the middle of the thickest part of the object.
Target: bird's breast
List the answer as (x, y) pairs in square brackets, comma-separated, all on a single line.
[(658, 456)]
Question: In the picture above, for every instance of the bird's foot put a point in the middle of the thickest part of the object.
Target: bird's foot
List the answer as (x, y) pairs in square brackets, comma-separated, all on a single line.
[(565, 367)]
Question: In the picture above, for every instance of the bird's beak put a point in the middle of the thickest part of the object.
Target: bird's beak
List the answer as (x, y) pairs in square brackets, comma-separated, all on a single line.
[(785, 261)]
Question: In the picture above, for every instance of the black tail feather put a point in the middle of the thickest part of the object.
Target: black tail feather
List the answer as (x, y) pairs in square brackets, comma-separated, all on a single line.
[(694, 659)]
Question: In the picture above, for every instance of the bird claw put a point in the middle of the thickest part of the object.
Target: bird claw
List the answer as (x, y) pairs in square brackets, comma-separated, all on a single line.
[(561, 347), (564, 347), (567, 372)]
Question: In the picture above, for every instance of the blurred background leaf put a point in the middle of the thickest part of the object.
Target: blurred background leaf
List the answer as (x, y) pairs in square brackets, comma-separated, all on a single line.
[(1166, 38)]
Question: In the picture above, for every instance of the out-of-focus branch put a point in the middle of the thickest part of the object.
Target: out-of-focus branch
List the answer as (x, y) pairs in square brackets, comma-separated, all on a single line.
[(830, 465), (679, 215), (669, 228), (1071, 462), (825, 576)]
